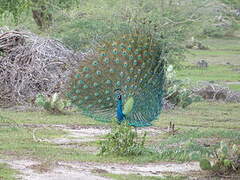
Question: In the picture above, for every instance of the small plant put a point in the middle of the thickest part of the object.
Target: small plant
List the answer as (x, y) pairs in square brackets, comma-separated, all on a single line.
[(226, 160), (51, 104), (195, 44), (205, 164), (177, 91), (123, 141)]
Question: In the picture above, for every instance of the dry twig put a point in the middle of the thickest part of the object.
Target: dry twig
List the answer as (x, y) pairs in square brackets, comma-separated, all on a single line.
[(30, 65), (217, 92)]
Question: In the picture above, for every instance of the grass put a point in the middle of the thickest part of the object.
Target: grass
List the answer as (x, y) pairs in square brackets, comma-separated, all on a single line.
[(204, 141), (215, 52), (220, 51), (225, 43), (201, 114), (7, 173), (204, 114), (18, 141), (235, 87), (214, 73), (217, 73), (42, 117), (138, 177)]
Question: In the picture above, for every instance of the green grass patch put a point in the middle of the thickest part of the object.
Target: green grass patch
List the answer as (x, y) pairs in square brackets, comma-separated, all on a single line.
[(234, 87), (215, 52), (9, 116), (139, 177), (222, 50), (201, 128), (217, 73), (204, 141), (227, 43), (19, 142), (7, 173), (203, 114)]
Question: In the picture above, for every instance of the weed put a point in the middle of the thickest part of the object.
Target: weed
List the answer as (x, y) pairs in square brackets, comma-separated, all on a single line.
[(226, 159), (53, 104), (123, 141), (139, 177), (177, 91)]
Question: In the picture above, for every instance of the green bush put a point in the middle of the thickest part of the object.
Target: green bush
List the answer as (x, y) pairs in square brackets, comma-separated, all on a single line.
[(52, 104), (226, 160), (205, 164), (177, 91), (123, 141)]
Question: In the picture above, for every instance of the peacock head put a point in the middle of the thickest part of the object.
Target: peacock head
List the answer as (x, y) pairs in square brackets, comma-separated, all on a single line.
[(119, 97), (118, 93)]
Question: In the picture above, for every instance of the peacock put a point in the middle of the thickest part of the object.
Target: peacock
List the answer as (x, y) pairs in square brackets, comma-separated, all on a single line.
[(123, 78)]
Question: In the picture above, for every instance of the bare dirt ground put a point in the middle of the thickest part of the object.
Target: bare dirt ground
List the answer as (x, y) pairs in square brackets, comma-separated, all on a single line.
[(82, 170)]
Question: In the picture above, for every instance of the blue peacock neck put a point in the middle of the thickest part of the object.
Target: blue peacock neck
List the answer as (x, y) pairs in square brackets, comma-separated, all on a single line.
[(120, 115)]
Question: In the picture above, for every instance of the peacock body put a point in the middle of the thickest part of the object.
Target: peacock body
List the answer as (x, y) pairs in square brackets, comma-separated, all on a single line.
[(123, 78)]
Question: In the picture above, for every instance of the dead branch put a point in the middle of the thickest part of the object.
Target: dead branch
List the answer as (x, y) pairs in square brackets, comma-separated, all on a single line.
[(30, 65), (216, 92)]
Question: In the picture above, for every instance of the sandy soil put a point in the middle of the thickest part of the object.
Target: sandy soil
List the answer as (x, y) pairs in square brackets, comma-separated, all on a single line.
[(82, 170)]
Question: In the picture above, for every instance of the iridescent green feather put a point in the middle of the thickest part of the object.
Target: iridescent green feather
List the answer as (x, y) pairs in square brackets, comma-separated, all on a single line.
[(128, 106)]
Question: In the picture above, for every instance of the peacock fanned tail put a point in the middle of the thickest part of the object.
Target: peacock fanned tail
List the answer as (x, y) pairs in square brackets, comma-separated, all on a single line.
[(129, 62)]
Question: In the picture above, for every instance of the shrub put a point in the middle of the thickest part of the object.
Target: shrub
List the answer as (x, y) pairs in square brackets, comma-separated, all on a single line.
[(177, 91), (123, 141), (226, 160), (51, 104)]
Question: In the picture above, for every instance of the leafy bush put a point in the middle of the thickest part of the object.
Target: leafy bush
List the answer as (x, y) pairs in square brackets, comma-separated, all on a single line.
[(205, 164), (123, 141), (51, 104), (177, 91), (196, 44), (226, 160)]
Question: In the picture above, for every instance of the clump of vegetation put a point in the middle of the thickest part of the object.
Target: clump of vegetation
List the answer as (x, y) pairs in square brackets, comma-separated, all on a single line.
[(177, 91), (196, 44), (182, 148), (52, 104), (123, 141), (6, 172), (226, 160)]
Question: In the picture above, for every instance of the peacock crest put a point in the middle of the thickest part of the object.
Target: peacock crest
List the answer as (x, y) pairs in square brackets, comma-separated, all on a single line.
[(130, 64)]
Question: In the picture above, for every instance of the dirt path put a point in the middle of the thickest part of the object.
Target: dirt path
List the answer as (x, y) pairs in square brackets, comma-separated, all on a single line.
[(84, 170), (78, 134), (31, 170)]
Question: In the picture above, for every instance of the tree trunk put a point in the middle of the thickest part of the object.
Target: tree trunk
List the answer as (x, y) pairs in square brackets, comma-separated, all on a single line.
[(41, 15)]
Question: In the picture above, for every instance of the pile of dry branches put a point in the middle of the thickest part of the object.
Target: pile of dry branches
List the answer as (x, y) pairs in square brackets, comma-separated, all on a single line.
[(217, 92), (30, 64)]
